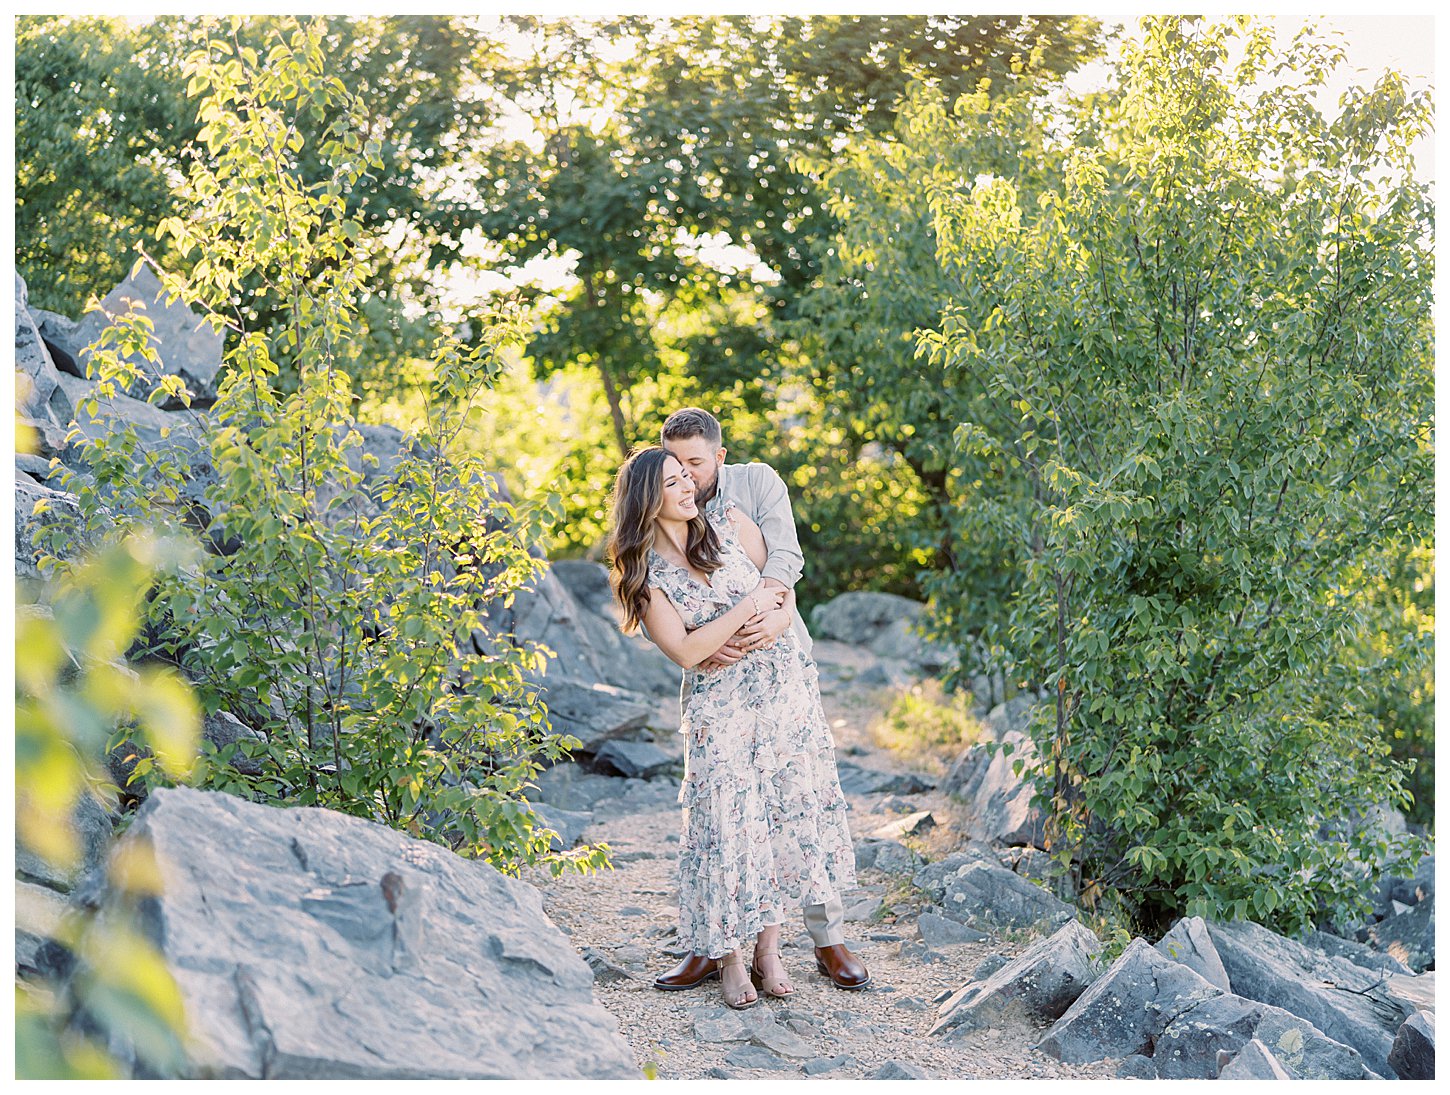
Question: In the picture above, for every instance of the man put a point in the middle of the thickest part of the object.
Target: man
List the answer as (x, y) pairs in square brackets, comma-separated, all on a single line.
[(693, 437)]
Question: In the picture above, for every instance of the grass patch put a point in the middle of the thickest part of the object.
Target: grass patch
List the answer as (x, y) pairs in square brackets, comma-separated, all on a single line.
[(928, 725)]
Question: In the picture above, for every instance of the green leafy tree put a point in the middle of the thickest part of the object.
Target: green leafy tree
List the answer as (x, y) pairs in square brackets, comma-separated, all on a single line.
[(656, 143), (343, 609), (1205, 343), (105, 129)]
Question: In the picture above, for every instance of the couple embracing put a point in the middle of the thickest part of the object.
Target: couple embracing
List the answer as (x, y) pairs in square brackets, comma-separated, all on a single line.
[(703, 558)]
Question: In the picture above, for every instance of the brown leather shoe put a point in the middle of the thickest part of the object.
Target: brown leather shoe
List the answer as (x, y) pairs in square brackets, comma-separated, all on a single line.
[(694, 970), (842, 967)]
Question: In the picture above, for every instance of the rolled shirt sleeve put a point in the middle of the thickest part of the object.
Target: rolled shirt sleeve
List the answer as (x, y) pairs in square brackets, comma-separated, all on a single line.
[(784, 561)]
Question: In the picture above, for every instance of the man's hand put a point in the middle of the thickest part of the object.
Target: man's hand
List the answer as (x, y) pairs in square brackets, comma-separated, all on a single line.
[(760, 631)]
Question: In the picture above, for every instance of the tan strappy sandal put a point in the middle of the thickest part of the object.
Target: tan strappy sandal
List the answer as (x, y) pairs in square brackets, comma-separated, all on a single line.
[(741, 1002), (759, 978)]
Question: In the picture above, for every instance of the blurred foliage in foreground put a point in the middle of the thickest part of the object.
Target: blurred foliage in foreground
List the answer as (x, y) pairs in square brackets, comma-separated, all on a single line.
[(73, 691)]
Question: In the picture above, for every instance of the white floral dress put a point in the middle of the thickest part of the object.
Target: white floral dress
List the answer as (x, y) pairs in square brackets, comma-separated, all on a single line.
[(764, 828)]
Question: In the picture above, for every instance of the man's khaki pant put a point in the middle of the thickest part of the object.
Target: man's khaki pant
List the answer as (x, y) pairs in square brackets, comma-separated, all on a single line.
[(826, 923)]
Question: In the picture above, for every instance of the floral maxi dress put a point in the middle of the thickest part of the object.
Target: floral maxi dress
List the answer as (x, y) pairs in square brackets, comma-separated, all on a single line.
[(764, 828)]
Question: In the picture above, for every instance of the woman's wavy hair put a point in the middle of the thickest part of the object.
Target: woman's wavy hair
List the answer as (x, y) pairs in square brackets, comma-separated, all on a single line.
[(638, 496)]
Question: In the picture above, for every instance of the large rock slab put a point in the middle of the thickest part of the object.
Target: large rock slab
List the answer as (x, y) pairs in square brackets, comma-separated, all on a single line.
[(588, 583), (1342, 999), (1192, 1043), (1000, 798), (1188, 942), (39, 507), (988, 895), (1125, 1010), (1042, 981), (1357, 953), (335, 947), (1413, 1054), (187, 344)]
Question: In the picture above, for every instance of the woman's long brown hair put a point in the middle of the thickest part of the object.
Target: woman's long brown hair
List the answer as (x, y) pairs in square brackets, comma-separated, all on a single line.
[(638, 494)]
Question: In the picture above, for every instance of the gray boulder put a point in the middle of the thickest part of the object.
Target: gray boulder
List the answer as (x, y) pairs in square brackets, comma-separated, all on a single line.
[(339, 948), (1254, 1062), (60, 513), (1125, 1010), (588, 648), (635, 759), (889, 856), (932, 879), (1338, 997), (1042, 981), (94, 831), (171, 437), (988, 895), (1193, 1042), (1011, 716), (187, 344), (1137, 1067), (1188, 942), (1409, 936), (912, 824), (1000, 798), (568, 786), (39, 394), (753, 1056), (1413, 1054), (885, 624), (856, 780), (899, 1070)]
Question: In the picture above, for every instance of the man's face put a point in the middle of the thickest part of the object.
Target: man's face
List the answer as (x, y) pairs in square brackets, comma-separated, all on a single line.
[(702, 460)]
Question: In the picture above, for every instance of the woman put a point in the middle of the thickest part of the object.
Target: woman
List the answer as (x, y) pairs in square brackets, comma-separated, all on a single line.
[(764, 827)]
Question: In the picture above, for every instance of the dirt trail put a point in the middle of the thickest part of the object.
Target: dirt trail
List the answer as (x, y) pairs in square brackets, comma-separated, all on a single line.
[(626, 917)]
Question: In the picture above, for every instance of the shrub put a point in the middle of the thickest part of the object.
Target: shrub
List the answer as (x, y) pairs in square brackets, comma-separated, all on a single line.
[(1176, 336)]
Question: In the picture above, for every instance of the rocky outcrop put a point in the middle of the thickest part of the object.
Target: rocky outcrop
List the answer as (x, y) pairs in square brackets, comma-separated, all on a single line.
[(337, 948), (1125, 1010)]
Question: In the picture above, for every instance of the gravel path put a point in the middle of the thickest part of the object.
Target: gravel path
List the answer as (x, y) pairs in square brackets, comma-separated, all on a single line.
[(623, 920)]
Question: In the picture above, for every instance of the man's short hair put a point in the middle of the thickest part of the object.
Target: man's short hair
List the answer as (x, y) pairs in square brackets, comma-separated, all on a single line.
[(691, 422)]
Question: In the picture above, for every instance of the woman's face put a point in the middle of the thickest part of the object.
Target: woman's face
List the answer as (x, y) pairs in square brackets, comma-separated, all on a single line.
[(678, 489)]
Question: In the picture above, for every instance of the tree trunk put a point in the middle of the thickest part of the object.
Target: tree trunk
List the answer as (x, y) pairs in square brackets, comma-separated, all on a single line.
[(616, 412)]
